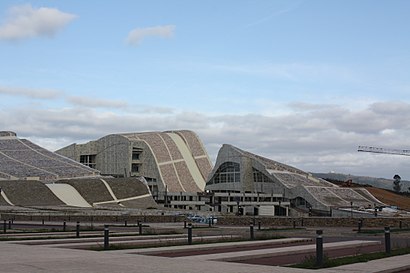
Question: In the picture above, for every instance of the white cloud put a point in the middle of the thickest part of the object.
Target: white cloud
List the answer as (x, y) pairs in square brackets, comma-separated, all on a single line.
[(96, 103), (26, 22), (30, 93), (320, 139), (136, 36)]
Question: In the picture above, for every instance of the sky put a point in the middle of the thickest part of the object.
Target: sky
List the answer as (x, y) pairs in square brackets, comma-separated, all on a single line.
[(300, 82)]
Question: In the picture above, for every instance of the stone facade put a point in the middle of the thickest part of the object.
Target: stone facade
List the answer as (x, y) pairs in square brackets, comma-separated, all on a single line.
[(172, 161), (262, 175)]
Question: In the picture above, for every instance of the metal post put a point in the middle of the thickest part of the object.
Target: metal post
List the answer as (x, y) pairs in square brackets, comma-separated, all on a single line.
[(259, 225), (106, 237), (294, 224), (185, 224), (189, 234), (351, 209), (301, 222), (252, 234), (4, 227), (209, 222), (400, 224), (78, 230), (9, 224), (42, 222), (359, 226), (140, 228), (125, 223), (64, 226), (387, 239), (319, 247)]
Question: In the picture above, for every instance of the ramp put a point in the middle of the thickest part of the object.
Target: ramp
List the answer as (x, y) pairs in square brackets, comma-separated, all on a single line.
[(69, 195)]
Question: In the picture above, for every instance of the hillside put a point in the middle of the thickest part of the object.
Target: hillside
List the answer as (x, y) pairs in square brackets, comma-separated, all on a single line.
[(390, 198), (364, 180)]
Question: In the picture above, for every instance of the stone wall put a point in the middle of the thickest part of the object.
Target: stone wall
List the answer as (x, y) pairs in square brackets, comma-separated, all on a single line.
[(314, 221), (131, 219)]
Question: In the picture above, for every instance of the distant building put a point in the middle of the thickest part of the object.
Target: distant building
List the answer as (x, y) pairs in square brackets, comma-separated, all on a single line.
[(171, 162)]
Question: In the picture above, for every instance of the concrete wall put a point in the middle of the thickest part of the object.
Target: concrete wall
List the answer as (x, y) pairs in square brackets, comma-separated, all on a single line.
[(314, 221)]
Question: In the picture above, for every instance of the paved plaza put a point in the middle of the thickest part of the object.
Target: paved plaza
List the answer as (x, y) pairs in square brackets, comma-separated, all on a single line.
[(48, 256)]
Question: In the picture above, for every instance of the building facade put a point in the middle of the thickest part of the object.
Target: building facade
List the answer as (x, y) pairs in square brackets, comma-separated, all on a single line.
[(171, 161), (243, 173)]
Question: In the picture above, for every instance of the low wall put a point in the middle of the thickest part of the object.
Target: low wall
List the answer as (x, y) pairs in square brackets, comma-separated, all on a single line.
[(314, 221), (222, 220), (93, 218)]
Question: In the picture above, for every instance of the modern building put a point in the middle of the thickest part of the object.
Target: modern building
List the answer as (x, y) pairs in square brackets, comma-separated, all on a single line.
[(33, 176), (22, 159), (238, 172), (171, 162)]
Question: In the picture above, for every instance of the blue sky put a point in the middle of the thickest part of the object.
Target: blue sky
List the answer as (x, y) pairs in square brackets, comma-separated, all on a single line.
[(302, 82)]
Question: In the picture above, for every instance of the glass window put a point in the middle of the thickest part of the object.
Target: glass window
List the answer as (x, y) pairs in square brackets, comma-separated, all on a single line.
[(228, 172), (260, 177)]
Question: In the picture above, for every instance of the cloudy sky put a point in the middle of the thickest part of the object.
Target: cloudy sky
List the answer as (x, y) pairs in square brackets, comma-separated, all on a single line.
[(301, 82)]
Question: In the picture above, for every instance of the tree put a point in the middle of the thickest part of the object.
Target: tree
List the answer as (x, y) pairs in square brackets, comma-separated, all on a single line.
[(396, 183)]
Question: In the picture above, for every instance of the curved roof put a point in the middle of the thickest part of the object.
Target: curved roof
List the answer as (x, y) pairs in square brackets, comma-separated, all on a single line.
[(22, 159), (296, 182), (181, 158)]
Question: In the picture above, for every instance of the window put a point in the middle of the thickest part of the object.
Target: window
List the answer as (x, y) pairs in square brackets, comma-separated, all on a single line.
[(88, 160), (135, 168), (136, 153), (260, 177), (228, 172)]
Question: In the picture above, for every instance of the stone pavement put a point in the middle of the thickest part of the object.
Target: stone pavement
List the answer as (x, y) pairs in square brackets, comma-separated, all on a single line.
[(17, 258)]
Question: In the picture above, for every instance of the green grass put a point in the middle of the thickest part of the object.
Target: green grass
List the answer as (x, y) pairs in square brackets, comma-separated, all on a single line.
[(310, 261)]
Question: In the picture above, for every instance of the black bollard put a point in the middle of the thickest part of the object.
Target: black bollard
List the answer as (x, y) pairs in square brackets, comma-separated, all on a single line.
[(125, 223), (4, 227), (319, 247), (64, 226), (400, 224), (9, 224), (251, 232), (106, 237), (185, 224), (359, 226), (42, 222), (189, 234), (294, 224), (387, 239), (259, 225), (301, 222), (78, 230), (140, 228)]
